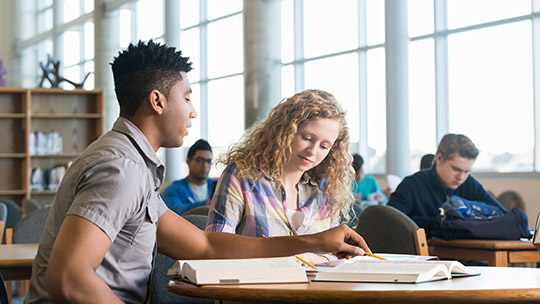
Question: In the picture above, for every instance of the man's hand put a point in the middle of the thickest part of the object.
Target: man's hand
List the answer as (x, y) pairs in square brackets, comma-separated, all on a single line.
[(342, 241)]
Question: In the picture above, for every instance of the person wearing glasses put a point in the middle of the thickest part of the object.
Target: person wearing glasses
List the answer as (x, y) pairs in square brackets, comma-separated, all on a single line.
[(196, 189), (291, 174)]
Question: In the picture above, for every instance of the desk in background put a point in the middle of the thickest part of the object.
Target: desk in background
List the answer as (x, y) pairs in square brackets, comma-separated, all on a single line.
[(16, 261), (497, 253), (494, 285)]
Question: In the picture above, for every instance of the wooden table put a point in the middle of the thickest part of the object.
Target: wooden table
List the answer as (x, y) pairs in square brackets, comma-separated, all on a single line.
[(16, 261), (494, 285), (496, 253)]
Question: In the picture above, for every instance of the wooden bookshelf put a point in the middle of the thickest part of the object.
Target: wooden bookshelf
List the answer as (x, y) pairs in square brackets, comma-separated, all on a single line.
[(77, 115)]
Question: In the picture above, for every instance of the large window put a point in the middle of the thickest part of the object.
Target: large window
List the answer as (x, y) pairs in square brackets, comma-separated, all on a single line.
[(480, 55), (212, 36), (333, 46), (63, 30), (473, 65)]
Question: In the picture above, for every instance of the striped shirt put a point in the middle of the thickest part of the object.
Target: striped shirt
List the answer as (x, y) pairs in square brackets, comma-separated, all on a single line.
[(257, 206)]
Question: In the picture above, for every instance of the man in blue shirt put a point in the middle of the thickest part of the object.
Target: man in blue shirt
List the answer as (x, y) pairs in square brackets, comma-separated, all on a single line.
[(196, 189), (422, 194)]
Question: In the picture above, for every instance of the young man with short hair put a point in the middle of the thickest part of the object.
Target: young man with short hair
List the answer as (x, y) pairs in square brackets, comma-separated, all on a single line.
[(108, 218), (196, 189), (422, 194)]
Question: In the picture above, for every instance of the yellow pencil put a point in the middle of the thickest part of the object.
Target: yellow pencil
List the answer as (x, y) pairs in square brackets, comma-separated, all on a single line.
[(306, 262), (374, 256)]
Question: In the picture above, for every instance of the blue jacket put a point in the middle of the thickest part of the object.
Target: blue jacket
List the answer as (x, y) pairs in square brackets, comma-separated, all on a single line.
[(420, 195), (179, 197)]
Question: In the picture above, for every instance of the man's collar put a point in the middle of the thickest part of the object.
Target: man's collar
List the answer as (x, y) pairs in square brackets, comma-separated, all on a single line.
[(125, 126)]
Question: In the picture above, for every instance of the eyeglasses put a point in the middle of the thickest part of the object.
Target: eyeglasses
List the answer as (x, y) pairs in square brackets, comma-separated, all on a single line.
[(201, 160)]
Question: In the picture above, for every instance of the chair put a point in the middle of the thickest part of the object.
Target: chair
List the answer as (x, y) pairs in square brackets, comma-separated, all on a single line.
[(3, 218), (27, 230), (510, 199), (30, 227), (388, 230), (30, 205), (202, 210), (14, 212), (162, 263)]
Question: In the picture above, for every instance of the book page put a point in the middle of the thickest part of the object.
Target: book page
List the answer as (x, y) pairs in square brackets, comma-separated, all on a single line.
[(328, 266), (394, 267), (238, 264), (453, 267)]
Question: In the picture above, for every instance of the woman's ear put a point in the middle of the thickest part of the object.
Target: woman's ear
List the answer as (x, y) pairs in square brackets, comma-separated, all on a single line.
[(157, 101)]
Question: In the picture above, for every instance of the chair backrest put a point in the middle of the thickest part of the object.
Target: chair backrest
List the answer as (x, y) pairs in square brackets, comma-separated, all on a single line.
[(30, 205), (3, 217), (159, 279), (510, 199), (198, 220), (388, 230), (202, 210), (14, 212), (30, 227)]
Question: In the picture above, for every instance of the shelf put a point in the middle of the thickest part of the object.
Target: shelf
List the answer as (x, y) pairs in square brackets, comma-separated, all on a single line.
[(12, 192), (44, 192), (66, 116), (63, 155), (12, 115), (12, 155), (76, 115)]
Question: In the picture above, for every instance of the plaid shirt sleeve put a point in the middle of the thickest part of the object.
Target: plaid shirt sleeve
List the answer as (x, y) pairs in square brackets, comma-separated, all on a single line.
[(228, 204)]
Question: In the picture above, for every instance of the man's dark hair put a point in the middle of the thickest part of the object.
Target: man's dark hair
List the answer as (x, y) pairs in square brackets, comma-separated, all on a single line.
[(452, 144), (200, 144), (145, 67), (357, 162)]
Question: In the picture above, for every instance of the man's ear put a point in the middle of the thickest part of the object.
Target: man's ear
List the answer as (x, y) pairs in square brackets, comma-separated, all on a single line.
[(438, 158), (157, 101)]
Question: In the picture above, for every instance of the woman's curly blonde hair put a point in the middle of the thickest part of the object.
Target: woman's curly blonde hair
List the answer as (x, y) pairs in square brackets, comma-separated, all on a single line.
[(266, 144)]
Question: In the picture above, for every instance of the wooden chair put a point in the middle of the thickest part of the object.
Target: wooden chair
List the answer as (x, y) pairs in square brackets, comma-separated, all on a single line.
[(388, 230)]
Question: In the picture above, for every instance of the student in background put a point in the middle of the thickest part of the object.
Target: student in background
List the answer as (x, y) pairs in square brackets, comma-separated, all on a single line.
[(290, 175), (366, 187), (196, 189), (422, 194), (108, 219)]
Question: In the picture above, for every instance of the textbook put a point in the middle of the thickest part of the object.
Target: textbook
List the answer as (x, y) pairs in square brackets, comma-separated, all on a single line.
[(395, 271), (329, 266), (536, 234), (239, 271)]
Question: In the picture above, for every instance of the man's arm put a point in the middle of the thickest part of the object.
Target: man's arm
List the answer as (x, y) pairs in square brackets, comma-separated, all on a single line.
[(71, 273), (179, 239)]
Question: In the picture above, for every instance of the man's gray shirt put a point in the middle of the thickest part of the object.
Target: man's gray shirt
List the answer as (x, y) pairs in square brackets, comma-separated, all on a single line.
[(115, 185)]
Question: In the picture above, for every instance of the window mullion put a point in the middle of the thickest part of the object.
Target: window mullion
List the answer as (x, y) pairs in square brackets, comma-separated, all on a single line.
[(441, 69)]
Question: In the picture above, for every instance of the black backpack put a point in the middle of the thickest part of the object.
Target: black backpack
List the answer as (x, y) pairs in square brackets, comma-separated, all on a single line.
[(453, 224)]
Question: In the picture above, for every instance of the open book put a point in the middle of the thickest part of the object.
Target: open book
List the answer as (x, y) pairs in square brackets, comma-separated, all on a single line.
[(536, 234), (394, 271), (239, 271)]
